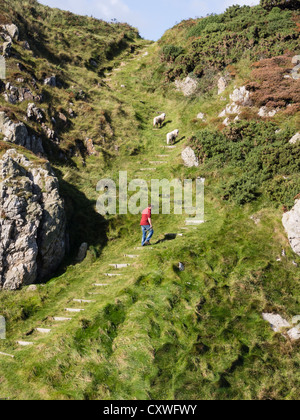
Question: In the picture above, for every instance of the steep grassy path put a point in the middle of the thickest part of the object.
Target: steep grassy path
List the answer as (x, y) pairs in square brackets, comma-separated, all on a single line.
[(153, 331)]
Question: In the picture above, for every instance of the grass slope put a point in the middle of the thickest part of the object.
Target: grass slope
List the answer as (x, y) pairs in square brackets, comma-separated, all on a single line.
[(156, 332)]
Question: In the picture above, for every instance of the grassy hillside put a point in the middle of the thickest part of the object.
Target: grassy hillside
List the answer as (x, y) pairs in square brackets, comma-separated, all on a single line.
[(156, 332)]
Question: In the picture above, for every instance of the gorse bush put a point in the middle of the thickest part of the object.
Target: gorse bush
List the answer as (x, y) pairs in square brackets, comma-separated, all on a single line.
[(283, 4), (215, 42), (260, 161)]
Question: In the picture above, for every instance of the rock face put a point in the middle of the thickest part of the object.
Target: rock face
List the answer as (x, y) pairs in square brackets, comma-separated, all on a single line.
[(189, 157), (291, 223), (187, 86), (32, 223), (17, 133), (295, 139), (277, 322)]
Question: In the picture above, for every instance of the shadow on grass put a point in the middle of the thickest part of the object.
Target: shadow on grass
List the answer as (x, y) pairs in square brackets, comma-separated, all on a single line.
[(168, 237)]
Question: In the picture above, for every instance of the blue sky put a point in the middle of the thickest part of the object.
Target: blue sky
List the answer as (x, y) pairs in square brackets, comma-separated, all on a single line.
[(153, 17)]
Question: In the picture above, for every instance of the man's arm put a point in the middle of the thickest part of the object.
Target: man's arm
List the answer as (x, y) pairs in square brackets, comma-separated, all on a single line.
[(150, 222)]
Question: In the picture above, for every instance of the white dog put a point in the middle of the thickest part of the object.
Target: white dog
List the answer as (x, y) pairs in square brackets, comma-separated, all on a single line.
[(159, 120), (171, 137)]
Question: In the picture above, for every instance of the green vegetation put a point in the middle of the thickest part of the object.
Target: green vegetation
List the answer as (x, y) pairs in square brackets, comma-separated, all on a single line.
[(210, 44), (257, 161), (157, 332)]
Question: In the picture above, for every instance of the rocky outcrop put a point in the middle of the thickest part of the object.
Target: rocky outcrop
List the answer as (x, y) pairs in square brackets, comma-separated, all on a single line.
[(17, 133), (188, 86), (295, 139), (32, 223), (50, 81), (34, 113), (13, 94), (12, 31), (291, 223), (281, 325), (265, 112), (189, 158), (239, 98)]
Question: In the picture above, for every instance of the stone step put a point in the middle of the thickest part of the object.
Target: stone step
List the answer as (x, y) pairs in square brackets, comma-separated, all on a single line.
[(160, 162), (111, 275), (99, 285), (43, 330), (191, 222), (118, 266), (83, 301), (143, 247), (24, 343), (7, 355), (162, 156), (131, 256), (61, 319), (170, 147), (73, 310), (147, 169)]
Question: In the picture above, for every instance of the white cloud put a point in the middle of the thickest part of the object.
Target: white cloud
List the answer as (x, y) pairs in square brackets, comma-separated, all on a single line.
[(113, 9)]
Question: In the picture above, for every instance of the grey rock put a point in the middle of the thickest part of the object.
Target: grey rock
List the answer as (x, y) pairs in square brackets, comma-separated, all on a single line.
[(82, 252), (34, 113), (291, 223), (50, 81), (277, 322), (26, 46), (294, 333), (265, 112), (296, 59), (295, 139), (15, 95), (296, 320), (189, 157), (222, 85), (12, 30), (201, 116), (32, 223), (187, 86), (6, 48), (17, 133), (241, 96)]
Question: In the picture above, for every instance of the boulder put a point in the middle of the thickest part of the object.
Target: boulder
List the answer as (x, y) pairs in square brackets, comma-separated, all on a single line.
[(265, 112), (32, 221), (12, 30), (291, 223), (90, 147), (201, 116), (189, 158), (187, 86), (276, 321), (295, 138), (241, 96), (296, 59), (17, 133), (50, 81), (34, 113)]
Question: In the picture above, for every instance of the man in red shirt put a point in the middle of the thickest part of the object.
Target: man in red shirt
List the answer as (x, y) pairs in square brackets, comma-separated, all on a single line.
[(147, 227)]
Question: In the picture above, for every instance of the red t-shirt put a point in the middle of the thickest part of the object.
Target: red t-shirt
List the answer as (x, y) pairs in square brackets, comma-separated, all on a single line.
[(146, 214)]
